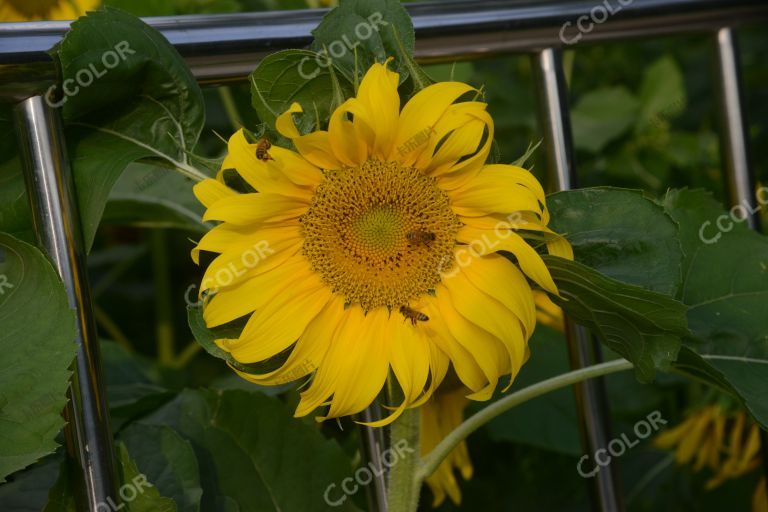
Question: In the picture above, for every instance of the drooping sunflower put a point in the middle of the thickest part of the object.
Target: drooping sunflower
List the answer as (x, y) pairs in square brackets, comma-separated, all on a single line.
[(382, 234), (440, 415), (33, 10), (727, 443)]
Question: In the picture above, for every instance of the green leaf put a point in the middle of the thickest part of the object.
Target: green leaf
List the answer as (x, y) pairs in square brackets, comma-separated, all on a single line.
[(154, 197), (15, 214), (369, 31), (136, 485), (143, 102), (60, 497), (130, 390), (728, 307), (662, 93), (37, 343), (28, 490), (642, 326), (622, 234), (602, 115), (289, 76), (254, 455), (168, 461)]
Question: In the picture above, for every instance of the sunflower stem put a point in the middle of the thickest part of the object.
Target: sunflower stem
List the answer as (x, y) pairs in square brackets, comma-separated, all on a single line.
[(404, 486), (431, 462)]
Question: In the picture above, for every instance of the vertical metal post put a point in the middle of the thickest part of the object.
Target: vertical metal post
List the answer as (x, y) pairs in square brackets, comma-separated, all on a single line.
[(372, 446), (734, 138), (54, 212), (591, 401), (735, 146)]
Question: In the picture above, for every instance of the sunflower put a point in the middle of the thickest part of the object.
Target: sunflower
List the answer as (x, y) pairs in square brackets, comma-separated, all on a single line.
[(439, 416), (32, 10), (382, 235), (728, 444)]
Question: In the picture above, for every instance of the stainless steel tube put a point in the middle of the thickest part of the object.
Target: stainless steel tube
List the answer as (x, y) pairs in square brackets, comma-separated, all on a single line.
[(584, 350), (220, 48), (57, 225), (372, 447)]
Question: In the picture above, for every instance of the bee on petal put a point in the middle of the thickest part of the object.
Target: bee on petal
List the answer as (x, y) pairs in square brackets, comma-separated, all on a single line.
[(413, 315), (262, 150)]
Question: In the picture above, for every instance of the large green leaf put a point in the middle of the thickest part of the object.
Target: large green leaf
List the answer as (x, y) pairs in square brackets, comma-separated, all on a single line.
[(15, 214), (369, 31), (254, 456), (621, 234), (37, 343), (137, 490), (289, 76), (642, 326), (168, 461), (726, 288), (143, 102)]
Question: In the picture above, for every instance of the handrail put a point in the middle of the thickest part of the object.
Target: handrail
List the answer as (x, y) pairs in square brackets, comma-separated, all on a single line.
[(225, 47)]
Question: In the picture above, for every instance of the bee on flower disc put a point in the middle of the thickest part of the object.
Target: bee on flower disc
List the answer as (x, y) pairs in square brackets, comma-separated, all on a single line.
[(420, 238)]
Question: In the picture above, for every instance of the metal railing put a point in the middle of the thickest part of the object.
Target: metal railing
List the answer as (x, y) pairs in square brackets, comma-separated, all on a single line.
[(226, 48)]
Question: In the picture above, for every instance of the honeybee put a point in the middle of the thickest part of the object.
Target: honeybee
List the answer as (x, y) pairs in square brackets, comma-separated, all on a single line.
[(420, 238), (413, 315), (262, 150)]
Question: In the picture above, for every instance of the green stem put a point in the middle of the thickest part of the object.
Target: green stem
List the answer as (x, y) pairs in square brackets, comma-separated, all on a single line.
[(163, 310), (186, 355), (230, 107), (431, 462), (404, 486), (111, 328)]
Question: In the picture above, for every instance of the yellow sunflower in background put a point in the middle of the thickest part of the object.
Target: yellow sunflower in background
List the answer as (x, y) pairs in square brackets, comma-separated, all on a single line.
[(728, 444), (439, 417), (33, 10), (547, 312), (382, 234)]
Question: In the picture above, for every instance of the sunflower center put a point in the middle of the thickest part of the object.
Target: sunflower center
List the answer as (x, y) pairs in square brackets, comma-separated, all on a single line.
[(379, 234), (31, 8)]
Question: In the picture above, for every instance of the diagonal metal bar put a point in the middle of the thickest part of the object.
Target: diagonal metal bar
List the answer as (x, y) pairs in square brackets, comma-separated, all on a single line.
[(57, 225), (735, 146), (584, 350)]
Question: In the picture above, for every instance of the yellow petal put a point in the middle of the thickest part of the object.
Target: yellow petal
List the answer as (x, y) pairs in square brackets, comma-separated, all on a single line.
[(378, 96), (315, 147), (309, 350), (211, 191), (465, 365), (250, 294), (347, 147), (264, 176), (484, 242), (487, 350), (420, 115), (277, 324), (490, 315), (251, 255), (245, 209)]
